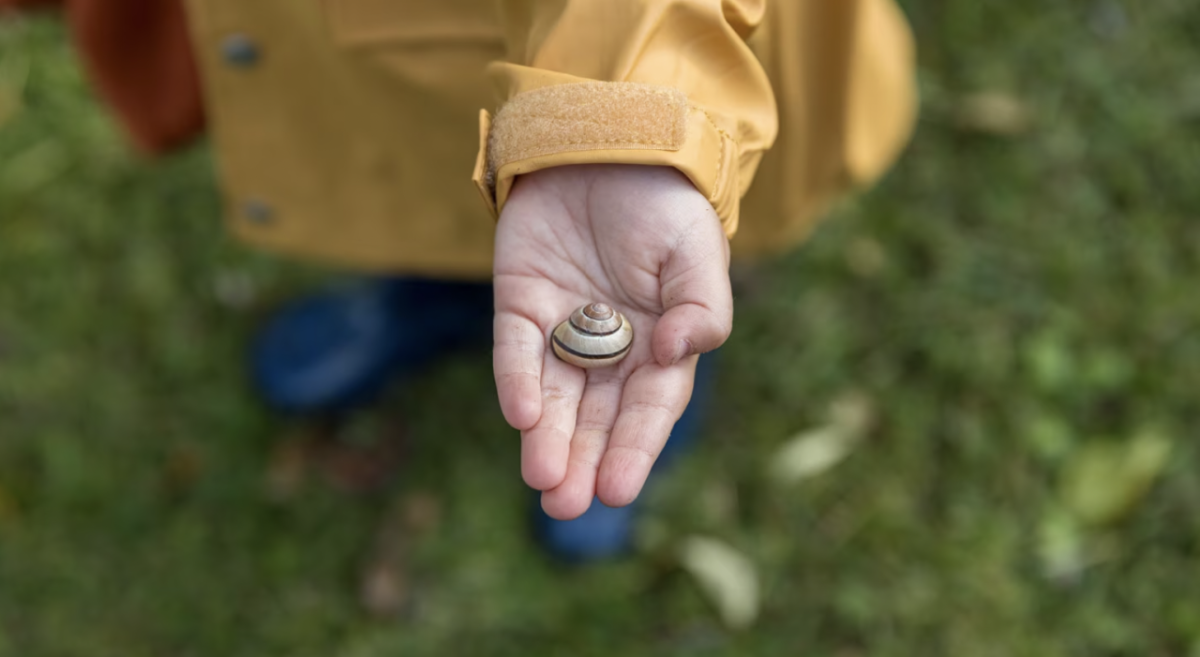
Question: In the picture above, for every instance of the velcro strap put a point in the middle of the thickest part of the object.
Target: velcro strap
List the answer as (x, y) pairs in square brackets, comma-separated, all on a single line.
[(587, 116)]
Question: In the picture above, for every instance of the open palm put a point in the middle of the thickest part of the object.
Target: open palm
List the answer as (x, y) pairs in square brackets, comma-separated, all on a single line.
[(644, 241)]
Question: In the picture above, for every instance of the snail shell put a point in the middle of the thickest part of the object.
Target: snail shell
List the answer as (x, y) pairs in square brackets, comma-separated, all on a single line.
[(594, 335)]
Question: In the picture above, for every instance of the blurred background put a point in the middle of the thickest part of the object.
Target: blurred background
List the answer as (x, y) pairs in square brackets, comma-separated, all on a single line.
[(959, 421)]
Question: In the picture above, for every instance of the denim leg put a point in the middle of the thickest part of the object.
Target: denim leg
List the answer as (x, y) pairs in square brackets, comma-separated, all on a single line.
[(689, 425), (338, 348)]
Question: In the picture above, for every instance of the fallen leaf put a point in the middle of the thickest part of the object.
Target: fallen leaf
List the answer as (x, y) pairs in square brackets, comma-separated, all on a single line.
[(235, 289), (1066, 548), (384, 589), (422, 512), (815, 451), (354, 467), (727, 578), (183, 467), (354, 455), (993, 113), (1060, 547), (1103, 482), (288, 467), (10, 511), (383, 593), (811, 453)]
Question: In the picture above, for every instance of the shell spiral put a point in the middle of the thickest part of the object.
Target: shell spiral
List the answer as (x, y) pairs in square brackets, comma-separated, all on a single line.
[(594, 335)]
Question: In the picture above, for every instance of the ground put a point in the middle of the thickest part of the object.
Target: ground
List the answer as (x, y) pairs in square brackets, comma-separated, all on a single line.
[(1014, 309)]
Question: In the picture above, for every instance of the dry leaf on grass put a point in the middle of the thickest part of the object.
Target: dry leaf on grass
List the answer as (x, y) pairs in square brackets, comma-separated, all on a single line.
[(358, 456), (812, 452), (1066, 549), (10, 511), (287, 467), (993, 113), (184, 466), (385, 589), (727, 577)]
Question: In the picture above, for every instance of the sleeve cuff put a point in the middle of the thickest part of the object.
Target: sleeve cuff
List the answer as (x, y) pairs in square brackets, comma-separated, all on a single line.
[(591, 122)]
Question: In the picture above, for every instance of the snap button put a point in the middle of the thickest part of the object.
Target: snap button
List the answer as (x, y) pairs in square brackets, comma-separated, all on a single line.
[(239, 50), (258, 212)]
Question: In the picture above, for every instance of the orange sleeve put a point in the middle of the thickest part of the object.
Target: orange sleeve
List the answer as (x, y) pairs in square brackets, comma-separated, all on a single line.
[(139, 58)]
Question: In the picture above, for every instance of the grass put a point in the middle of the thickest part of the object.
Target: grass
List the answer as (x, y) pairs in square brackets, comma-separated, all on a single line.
[(1017, 302)]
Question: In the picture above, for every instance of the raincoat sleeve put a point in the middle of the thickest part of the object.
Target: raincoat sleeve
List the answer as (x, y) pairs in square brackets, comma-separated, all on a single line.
[(654, 82)]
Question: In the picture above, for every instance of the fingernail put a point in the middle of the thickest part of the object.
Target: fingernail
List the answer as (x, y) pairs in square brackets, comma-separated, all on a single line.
[(682, 349)]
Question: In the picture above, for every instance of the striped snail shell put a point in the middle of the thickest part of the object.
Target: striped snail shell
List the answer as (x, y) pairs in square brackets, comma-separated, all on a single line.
[(594, 335)]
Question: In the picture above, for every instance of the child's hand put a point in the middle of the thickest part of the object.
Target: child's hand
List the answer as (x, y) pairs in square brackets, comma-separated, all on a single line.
[(643, 240)]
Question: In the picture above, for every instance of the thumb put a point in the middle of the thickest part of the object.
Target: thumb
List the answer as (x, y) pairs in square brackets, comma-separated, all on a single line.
[(698, 300)]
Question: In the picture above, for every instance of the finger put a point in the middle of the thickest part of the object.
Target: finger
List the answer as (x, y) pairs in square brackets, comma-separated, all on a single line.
[(653, 399), (517, 355), (594, 423), (546, 446), (691, 329), (698, 300)]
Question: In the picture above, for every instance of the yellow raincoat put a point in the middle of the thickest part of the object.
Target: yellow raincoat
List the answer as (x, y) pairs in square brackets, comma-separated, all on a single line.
[(349, 131)]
